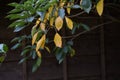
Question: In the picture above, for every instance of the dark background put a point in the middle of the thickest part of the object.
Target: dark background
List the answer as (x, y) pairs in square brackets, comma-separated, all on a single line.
[(97, 54)]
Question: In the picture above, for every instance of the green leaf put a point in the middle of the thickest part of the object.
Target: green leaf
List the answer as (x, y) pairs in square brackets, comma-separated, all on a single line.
[(25, 52), (33, 54), (76, 6), (86, 27), (3, 48), (15, 39), (17, 23), (16, 46), (60, 55), (86, 5), (36, 65), (19, 28), (13, 4), (61, 13), (22, 60), (14, 11), (70, 43), (2, 58)]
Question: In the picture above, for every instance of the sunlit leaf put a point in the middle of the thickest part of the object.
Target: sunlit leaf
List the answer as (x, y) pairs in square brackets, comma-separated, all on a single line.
[(58, 23), (38, 21), (38, 53), (68, 8), (69, 23), (41, 42), (42, 26), (51, 21), (34, 38), (58, 40), (47, 49), (33, 31), (100, 6)]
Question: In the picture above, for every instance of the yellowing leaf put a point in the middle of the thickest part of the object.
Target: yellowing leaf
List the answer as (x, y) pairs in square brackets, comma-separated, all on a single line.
[(47, 16), (100, 6), (42, 26), (38, 53), (68, 8), (58, 40), (50, 9), (56, 13), (38, 21), (41, 42), (69, 23), (51, 21), (34, 38), (61, 4), (58, 23), (47, 49)]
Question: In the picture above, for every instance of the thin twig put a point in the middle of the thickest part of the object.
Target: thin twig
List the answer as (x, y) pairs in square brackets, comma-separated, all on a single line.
[(76, 35), (71, 16)]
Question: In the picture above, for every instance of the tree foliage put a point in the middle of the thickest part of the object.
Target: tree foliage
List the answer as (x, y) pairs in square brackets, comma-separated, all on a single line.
[(43, 16)]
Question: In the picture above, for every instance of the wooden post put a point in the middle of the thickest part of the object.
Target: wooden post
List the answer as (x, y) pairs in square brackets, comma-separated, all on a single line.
[(102, 53)]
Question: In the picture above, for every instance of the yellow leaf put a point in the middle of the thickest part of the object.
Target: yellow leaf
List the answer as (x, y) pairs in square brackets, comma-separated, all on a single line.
[(58, 23), (42, 26), (38, 21), (41, 42), (69, 23), (47, 16), (38, 53), (50, 9), (34, 38), (99, 7), (68, 8), (47, 49), (51, 21), (61, 4), (56, 13), (58, 40)]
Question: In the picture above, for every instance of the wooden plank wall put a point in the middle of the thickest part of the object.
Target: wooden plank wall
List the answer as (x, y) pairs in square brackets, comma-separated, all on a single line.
[(97, 56)]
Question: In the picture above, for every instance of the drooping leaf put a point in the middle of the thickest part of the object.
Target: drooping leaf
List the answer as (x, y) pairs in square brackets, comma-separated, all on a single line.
[(33, 31), (34, 38), (16, 46), (61, 13), (86, 5), (86, 27), (58, 40), (42, 26), (69, 23), (51, 21), (58, 23), (41, 43), (39, 54), (68, 8), (76, 6), (100, 6), (25, 52), (22, 60), (47, 49), (19, 28), (37, 64)]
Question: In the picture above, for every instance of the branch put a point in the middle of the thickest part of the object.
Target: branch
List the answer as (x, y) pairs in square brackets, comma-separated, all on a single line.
[(74, 36), (71, 16)]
